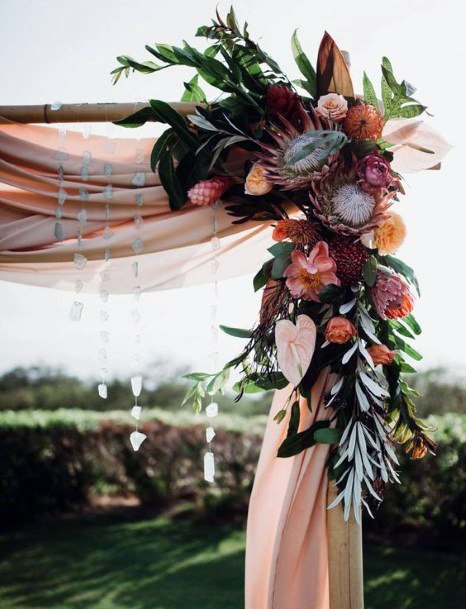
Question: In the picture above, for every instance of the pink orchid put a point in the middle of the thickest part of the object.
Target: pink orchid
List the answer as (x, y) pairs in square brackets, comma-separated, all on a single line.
[(295, 346), (307, 275)]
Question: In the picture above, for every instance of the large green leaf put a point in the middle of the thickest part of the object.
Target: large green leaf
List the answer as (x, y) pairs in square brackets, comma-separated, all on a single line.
[(327, 435), (304, 65), (160, 147), (370, 96), (237, 332), (296, 443), (193, 92), (166, 114), (167, 173)]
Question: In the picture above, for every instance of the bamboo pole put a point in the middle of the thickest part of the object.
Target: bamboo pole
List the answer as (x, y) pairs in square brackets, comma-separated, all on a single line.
[(344, 558), (81, 113)]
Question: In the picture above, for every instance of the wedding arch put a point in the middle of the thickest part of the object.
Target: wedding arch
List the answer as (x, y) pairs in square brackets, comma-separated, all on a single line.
[(122, 215)]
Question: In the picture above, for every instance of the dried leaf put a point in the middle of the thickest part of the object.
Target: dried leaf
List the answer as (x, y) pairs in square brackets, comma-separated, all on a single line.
[(332, 72)]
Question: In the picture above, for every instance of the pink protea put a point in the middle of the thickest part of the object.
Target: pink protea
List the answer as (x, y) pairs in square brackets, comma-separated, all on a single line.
[(208, 192), (307, 275), (391, 296)]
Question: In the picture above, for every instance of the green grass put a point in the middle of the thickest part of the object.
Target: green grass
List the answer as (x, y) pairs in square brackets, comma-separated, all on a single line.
[(112, 563)]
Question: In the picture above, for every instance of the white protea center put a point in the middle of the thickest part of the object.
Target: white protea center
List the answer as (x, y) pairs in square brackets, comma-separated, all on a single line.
[(352, 205), (304, 166)]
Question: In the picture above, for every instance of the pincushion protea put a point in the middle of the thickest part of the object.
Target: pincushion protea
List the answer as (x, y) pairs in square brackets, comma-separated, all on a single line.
[(346, 209), (363, 122), (391, 296), (208, 192), (350, 256), (300, 231)]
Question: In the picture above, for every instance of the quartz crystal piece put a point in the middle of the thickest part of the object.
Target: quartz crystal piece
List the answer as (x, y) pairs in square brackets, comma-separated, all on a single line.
[(136, 412), (139, 179), (84, 173), (103, 295), (80, 238), (214, 333), (58, 212), (108, 192), (215, 243), (209, 434), (209, 466), (78, 285), (212, 409), (104, 336), (139, 155), (139, 199), (137, 292), (135, 316), (76, 311), (106, 254), (102, 355), (107, 234), (81, 217), (136, 439), (135, 267), (56, 105), (102, 389), (105, 275), (61, 196), (108, 168), (103, 373), (215, 265), (86, 132), (83, 194), (58, 232), (87, 157), (110, 146), (104, 315), (61, 155), (137, 245), (62, 133), (60, 172), (136, 385), (79, 261), (138, 221)]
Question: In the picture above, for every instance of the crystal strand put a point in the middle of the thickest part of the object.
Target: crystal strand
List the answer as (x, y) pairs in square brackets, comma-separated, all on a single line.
[(137, 437), (105, 275), (212, 408)]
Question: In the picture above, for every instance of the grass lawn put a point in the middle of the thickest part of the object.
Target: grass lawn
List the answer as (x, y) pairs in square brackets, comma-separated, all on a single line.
[(113, 563)]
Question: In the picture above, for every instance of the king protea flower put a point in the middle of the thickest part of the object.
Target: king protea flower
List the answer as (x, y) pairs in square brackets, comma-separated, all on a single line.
[(346, 208), (391, 296), (298, 157), (208, 192), (306, 276)]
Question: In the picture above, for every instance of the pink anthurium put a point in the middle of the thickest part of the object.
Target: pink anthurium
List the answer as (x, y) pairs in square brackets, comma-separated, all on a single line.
[(295, 347)]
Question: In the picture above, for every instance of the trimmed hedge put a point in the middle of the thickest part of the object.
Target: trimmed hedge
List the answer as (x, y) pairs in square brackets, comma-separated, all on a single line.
[(53, 462)]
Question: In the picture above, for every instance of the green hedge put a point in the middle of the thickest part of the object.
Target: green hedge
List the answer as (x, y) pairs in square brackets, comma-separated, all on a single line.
[(55, 461)]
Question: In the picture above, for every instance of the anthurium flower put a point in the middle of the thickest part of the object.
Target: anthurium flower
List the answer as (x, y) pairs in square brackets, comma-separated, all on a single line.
[(295, 346), (307, 275)]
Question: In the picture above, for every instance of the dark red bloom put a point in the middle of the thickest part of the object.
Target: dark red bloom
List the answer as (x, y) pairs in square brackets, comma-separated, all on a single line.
[(283, 101)]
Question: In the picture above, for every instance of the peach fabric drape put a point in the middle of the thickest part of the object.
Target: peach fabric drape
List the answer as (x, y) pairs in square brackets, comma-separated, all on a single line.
[(286, 555), (177, 249)]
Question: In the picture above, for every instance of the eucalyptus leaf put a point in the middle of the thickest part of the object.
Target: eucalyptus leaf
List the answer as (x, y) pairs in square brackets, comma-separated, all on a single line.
[(237, 332)]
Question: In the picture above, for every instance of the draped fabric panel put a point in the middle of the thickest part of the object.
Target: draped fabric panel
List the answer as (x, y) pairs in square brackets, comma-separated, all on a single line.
[(177, 249)]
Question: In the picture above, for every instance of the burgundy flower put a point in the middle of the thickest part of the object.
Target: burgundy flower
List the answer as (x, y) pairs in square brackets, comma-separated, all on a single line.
[(283, 101), (373, 173)]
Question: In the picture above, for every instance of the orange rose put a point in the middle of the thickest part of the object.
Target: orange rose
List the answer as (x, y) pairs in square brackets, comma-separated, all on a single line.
[(381, 354), (339, 330), (256, 183), (390, 234)]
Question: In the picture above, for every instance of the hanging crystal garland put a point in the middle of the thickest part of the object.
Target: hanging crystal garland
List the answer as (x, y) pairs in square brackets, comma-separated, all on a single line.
[(138, 180), (104, 335), (212, 408)]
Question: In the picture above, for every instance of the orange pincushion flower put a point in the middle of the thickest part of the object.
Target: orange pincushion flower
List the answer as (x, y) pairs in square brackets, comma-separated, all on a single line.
[(363, 122), (300, 232)]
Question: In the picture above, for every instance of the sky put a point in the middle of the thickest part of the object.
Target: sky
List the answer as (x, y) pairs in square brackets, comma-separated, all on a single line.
[(53, 50)]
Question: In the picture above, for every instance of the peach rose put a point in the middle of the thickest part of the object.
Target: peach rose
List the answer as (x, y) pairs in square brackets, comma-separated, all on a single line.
[(256, 183), (381, 354), (339, 330), (390, 234), (332, 107)]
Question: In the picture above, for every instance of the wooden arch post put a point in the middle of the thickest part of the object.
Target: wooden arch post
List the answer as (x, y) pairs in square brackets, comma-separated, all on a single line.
[(344, 538)]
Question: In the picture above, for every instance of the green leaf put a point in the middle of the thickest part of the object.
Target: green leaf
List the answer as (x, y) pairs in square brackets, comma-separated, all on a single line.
[(304, 64), (406, 368), (262, 276), (283, 248), (409, 111), (329, 293), (137, 119), (160, 147), (293, 425), (146, 67), (370, 96), (275, 380), (280, 264), (293, 445), (281, 414), (406, 348), (197, 376), (237, 332), (167, 173), (165, 114), (369, 271), (193, 91), (218, 381), (327, 435), (412, 323)]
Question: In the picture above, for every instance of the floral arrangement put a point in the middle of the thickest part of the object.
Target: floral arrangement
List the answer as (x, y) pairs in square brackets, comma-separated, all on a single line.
[(335, 297)]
